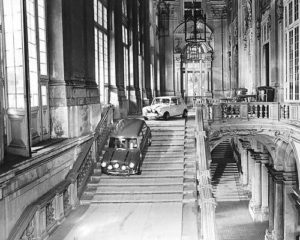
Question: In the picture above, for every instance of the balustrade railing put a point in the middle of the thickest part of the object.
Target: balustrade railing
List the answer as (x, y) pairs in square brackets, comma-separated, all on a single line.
[(42, 216), (251, 110), (206, 200)]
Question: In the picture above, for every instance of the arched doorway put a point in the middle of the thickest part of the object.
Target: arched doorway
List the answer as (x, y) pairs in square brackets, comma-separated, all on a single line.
[(193, 66)]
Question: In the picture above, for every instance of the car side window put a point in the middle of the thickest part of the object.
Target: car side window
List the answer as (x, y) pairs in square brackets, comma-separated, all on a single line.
[(174, 101), (166, 101)]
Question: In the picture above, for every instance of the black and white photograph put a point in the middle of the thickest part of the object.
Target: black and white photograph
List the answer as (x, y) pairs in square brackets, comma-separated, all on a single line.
[(149, 120)]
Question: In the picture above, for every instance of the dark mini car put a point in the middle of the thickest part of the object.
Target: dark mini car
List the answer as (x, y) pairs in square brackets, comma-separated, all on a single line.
[(127, 143)]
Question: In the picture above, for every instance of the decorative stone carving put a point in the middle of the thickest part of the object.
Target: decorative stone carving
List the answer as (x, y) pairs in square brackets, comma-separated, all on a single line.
[(29, 232), (247, 20), (49, 214), (84, 170), (258, 28), (279, 9), (269, 22), (213, 134), (66, 200)]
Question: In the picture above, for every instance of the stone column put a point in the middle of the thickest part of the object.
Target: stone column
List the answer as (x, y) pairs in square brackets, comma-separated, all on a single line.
[(289, 208), (118, 97), (147, 53), (264, 192), (244, 162), (135, 96), (250, 172), (271, 200), (255, 203), (278, 207)]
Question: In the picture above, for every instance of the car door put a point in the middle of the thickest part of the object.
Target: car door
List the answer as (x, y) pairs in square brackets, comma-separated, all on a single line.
[(173, 107), (180, 106)]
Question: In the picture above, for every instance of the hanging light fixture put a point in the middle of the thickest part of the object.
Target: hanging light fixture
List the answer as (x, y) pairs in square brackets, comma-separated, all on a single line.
[(194, 22)]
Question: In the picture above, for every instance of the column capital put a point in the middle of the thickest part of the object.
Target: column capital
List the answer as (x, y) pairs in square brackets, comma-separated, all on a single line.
[(275, 174), (260, 156), (290, 177), (245, 144)]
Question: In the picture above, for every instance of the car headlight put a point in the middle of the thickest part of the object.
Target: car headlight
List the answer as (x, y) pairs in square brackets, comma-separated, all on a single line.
[(109, 167), (103, 164), (131, 165), (123, 167), (116, 165)]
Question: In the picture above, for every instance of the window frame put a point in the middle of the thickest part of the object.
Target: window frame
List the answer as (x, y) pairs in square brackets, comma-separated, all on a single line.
[(102, 67), (291, 51)]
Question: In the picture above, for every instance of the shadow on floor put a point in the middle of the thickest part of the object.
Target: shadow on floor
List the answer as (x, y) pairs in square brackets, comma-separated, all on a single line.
[(234, 222)]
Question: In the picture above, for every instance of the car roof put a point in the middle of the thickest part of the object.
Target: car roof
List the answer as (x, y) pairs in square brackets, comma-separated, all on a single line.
[(168, 97), (128, 128)]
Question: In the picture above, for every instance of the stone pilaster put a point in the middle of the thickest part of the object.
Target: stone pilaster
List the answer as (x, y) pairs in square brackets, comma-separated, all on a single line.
[(255, 202), (278, 209), (147, 54), (244, 162), (118, 97), (264, 192), (134, 91), (271, 200), (290, 212)]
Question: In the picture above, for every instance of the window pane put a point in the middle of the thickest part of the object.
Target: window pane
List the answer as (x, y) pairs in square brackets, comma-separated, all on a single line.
[(291, 60), (105, 17), (95, 10), (290, 12), (296, 10), (42, 37), (297, 63), (14, 53), (100, 13)]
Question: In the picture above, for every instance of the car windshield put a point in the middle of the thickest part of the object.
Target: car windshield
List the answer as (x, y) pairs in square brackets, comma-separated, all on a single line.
[(161, 101), (125, 143)]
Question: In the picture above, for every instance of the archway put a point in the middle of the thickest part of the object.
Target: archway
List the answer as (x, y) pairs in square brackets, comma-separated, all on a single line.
[(193, 65)]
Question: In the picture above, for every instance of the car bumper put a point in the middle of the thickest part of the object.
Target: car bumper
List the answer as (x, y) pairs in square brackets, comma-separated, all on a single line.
[(152, 115), (119, 172)]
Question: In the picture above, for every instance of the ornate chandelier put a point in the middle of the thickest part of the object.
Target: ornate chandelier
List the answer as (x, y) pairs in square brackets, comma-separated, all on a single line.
[(194, 22)]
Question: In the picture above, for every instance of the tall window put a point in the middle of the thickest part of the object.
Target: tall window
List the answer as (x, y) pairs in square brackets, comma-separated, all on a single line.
[(292, 25), (101, 48), (26, 68)]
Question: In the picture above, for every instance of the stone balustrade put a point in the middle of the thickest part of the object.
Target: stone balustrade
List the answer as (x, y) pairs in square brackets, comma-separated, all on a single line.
[(206, 201), (273, 111)]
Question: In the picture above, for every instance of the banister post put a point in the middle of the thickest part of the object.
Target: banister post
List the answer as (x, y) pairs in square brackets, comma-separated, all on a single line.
[(244, 110), (274, 111), (217, 112)]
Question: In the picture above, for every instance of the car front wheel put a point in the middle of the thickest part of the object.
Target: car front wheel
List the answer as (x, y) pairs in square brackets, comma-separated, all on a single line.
[(167, 116)]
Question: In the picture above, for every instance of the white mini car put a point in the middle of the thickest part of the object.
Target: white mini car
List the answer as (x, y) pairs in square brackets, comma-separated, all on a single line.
[(165, 107)]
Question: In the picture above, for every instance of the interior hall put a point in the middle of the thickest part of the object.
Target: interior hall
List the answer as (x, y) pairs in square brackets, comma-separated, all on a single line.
[(149, 119)]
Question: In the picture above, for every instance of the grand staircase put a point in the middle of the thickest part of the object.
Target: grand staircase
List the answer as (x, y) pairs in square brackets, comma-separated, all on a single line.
[(168, 178), (162, 172), (225, 175)]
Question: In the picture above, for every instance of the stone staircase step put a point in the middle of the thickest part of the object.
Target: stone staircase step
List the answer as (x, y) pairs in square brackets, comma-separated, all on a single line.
[(162, 166), (136, 189), (132, 198), (117, 181), (166, 149)]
